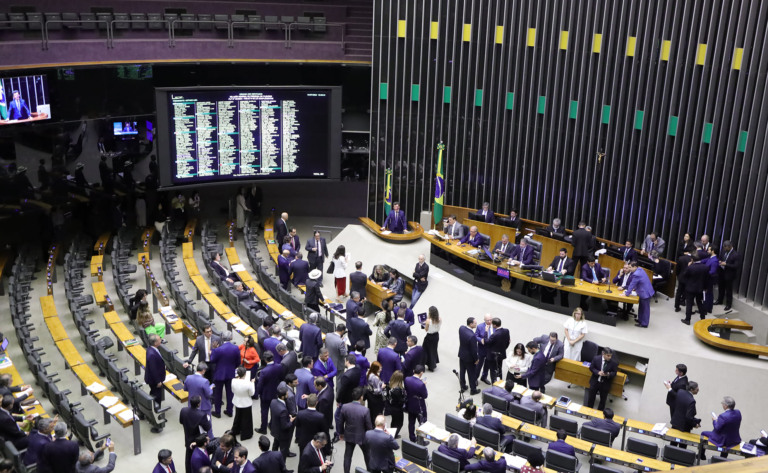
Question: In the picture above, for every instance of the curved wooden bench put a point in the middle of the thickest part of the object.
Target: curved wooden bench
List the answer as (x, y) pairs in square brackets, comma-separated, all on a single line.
[(702, 327), (415, 233)]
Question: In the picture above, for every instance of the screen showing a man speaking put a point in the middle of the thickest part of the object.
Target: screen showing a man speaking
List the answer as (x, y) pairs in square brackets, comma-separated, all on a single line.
[(24, 99)]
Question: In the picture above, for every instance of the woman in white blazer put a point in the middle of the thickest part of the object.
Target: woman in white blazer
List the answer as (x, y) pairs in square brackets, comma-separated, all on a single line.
[(242, 390)]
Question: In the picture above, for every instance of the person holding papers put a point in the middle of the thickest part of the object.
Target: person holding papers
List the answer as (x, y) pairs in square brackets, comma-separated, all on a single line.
[(451, 449), (523, 254), (395, 222)]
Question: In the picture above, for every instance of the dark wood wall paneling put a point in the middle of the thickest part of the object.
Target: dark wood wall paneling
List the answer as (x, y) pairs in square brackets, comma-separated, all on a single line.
[(650, 112)]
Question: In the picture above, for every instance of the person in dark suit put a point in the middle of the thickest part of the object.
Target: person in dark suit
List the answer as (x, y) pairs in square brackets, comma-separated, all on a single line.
[(59, 456), (566, 266), (269, 461), (226, 357), (324, 367), (496, 349), (280, 422), (640, 284), (483, 333), (306, 380), (381, 447), (533, 402), (726, 426), (695, 280), (308, 422), (453, 229), (395, 284), (553, 351), (389, 360), (535, 373), (653, 242), (406, 313), (348, 381), (266, 388), (514, 219), (582, 244), (242, 464), (358, 280), (593, 273), (223, 459), (220, 270), (202, 348), (489, 463), (684, 414), (416, 393), (165, 462), (607, 423), (85, 463), (505, 392), (197, 385), (18, 108), (452, 450), (287, 245), (193, 421), (603, 369), (420, 275), (395, 221), (355, 422), (400, 331), (200, 457), (9, 429), (503, 248), (468, 356), (523, 253), (560, 445), (358, 329), (312, 459), (154, 372), (486, 212), (284, 269), (281, 228), (289, 361), (413, 357), (487, 420), (313, 296), (730, 265), (38, 438), (473, 238), (354, 305), (628, 252), (680, 382), (311, 337), (299, 270), (325, 400), (556, 228), (317, 252)]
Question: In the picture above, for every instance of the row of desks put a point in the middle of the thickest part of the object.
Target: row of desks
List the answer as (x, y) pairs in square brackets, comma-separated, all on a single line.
[(33, 409)]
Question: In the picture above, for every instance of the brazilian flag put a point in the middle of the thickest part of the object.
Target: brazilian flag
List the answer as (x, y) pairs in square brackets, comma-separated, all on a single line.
[(388, 193), (437, 212)]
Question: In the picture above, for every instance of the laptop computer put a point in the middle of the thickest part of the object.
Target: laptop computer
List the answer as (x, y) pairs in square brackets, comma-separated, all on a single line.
[(551, 277)]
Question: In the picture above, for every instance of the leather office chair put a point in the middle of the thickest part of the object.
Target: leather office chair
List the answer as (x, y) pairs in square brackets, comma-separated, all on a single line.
[(571, 427), (594, 435), (457, 425), (499, 404), (678, 456), (415, 453), (641, 447), (561, 462)]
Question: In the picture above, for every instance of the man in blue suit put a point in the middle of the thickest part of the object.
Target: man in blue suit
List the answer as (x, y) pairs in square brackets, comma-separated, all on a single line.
[(299, 270), (18, 108), (358, 329), (486, 212), (395, 222), (154, 372), (270, 461), (389, 359), (197, 385), (628, 253), (227, 359), (640, 283), (242, 464), (413, 357), (593, 273), (400, 331), (361, 360), (271, 343), (355, 422), (468, 356), (489, 464), (523, 253), (165, 462), (354, 305), (603, 369), (451, 449), (561, 446), (416, 393), (483, 334), (473, 237), (200, 457), (535, 374), (406, 313), (381, 447), (487, 420), (505, 392), (306, 382), (284, 268), (324, 367), (266, 388), (607, 424), (281, 422), (192, 420), (726, 433), (317, 251), (311, 337)]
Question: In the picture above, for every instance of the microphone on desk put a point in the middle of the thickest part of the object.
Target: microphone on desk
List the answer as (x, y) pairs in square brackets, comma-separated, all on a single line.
[(609, 287)]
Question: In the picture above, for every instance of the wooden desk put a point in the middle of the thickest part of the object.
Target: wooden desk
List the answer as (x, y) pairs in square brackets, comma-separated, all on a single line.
[(216, 304), (574, 372), (375, 294), (56, 328), (701, 329), (414, 233), (87, 377), (101, 244), (258, 291), (177, 325), (48, 306), (632, 460), (69, 352), (99, 293), (201, 285), (189, 230), (232, 255), (112, 317), (146, 236), (191, 266), (546, 399), (142, 257), (97, 261), (187, 250)]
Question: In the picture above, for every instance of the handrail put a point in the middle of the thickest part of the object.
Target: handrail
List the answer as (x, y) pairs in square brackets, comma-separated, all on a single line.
[(64, 22)]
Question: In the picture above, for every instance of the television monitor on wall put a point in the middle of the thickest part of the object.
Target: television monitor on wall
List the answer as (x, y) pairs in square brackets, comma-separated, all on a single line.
[(125, 128), (209, 135), (24, 99)]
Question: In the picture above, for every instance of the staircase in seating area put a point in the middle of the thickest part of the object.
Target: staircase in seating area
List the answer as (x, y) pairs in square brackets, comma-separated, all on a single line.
[(358, 36)]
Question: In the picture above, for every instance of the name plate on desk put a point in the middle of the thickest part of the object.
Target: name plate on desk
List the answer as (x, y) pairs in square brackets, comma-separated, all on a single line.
[(501, 272)]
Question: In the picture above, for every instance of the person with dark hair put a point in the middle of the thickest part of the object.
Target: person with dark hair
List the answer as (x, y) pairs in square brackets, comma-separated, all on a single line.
[(135, 302), (325, 400), (496, 349), (694, 278), (197, 386), (38, 438), (242, 464), (313, 460), (395, 401), (560, 445), (354, 306), (684, 414), (165, 462), (592, 273), (18, 108), (266, 387), (535, 462), (281, 422), (355, 422), (193, 420), (640, 284), (505, 392), (395, 221), (730, 265), (226, 357), (416, 393), (324, 367), (220, 270), (306, 382), (249, 356), (381, 321), (284, 269), (312, 295), (535, 374), (223, 459), (358, 280), (652, 242), (453, 229), (603, 369), (199, 457), (311, 336), (432, 338), (204, 344), (243, 389), (317, 251), (582, 244), (680, 382), (154, 373), (346, 386), (468, 356), (389, 360), (308, 422), (553, 351), (339, 263), (59, 456), (518, 362), (413, 357), (395, 284), (269, 461), (374, 395), (607, 423), (288, 245), (299, 270), (399, 330)]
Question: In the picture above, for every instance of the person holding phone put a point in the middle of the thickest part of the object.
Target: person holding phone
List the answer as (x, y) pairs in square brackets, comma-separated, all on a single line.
[(726, 426)]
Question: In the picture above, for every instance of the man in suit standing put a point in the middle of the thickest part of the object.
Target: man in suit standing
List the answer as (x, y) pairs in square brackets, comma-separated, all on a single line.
[(355, 422), (313, 296), (281, 229), (59, 456), (154, 372), (533, 402), (85, 463), (18, 108), (271, 343), (317, 251), (227, 359), (729, 271), (640, 283), (281, 422), (308, 422), (628, 253), (361, 360), (306, 380), (325, 400), (193, 420), (582, 243), (400, 331), (295, 242), (347, 383), (413, 357), (354, 305), (223, 459), (396, 221), (416, 393), (266, 388), (503, 248), (473, 237), (684, 414), (165, 462), (652, 242), (199, 457), (311, 337), (358, 280), (299, 270), (38, 438), (726, 426), (535, 373), (289, 359), (553, 351), (197, 386), (680, 382), (337, 345), (324, 367), (604, 369), (313, 460), (453, 229), (284, 268), (468, 356), (269, 461), (381, 447), (483, 334), (694, 278), (242, 464), (496, 349), (420, 275), (358, 330), (389, 360), (607, 424), (492, 423)]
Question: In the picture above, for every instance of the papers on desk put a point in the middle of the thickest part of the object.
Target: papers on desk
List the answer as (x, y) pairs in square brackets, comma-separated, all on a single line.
[(241, 326), (519, 389), (386, 232), (432, 431), (30, 407), (237, 268), (169, 377), (660, 428), (5, 362), (96, 388), (108, 401), (574, 406), (131, 342), (126, 415), (464, 444), (473, 252), (233, 320), (517, 463), (641, 367), (747, 447), (119, 407)]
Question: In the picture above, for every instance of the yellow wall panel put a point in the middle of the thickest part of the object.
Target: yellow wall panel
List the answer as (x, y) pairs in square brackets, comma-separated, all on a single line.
[(499, 35), (666, 46), (631, 46), (701, 54), (563, 40), (467, 32), (531, 37), (433, 30), (401, 28), (738, 56), (597, 43)]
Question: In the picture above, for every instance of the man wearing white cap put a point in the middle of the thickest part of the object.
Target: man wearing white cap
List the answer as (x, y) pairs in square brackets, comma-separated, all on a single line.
[(313, 296)]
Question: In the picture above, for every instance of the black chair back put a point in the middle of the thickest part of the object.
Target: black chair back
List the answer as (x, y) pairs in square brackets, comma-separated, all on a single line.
[(589, 350), (719, 459), (457, 425), (561, 462), (415, 453), (498, 404), (522, 449), (678, 456), (642, 447), (595, 435), (598, 468), (486, 437), (444, 464), (571, 427), (523, 413)]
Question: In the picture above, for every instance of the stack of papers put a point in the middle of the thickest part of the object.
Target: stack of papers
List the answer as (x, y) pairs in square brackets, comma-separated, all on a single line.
[(96, 388), (237, 268), (131, 342), (126, 415), (574, 406), (119, 407), (108, 401), (660, 428), (386, 232), (514, 461), (431, 430), (5, 362), (169, 377), (519, 389), (233, 320), (241, 326), (464, 444)]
